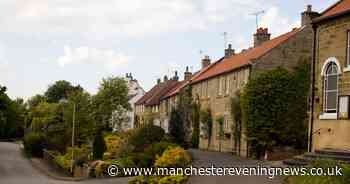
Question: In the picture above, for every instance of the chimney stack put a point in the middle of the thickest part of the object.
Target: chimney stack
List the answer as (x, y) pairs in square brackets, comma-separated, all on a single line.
[(262, 35), (308, 15), (205, 61), (176, 77), (229, 51), (187, 74)]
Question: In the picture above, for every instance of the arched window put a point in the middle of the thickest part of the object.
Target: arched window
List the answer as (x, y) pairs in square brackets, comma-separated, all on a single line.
[(331, 88)]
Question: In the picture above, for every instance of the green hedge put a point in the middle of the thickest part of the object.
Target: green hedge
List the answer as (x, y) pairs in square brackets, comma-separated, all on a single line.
[(34, 144)]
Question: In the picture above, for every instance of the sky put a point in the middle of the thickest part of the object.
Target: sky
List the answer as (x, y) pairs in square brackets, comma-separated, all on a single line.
[(83, 41)]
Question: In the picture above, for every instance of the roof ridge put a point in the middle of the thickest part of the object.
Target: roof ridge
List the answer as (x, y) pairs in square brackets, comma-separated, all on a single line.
[(330, 7)]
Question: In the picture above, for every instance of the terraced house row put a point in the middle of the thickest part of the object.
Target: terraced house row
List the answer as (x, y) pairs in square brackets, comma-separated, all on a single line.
[(321, 40)]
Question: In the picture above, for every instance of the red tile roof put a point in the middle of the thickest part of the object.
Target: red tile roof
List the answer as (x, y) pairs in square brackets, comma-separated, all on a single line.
[(338, 8), (157, 96), (244, 58), (149, 94), (176, 89)]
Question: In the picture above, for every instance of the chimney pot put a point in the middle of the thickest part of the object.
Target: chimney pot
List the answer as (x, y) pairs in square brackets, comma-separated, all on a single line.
[(205, 61), (165, 78), (187, 74), (308, 15), (262, 35), (158, 81), (229, 51)]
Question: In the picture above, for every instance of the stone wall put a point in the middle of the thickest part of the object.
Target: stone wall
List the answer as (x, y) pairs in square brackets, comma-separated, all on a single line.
[(220, 103), (332, 42), (288, 54)]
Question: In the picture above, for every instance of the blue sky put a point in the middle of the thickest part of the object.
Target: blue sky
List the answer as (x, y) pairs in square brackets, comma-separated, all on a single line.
[(83, 41)]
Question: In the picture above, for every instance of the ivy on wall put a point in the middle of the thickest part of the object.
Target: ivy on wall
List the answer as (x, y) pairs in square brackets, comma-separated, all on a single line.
[(274, 106)]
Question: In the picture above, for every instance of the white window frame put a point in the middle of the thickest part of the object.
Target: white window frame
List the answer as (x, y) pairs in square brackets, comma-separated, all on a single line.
[(326, 115)]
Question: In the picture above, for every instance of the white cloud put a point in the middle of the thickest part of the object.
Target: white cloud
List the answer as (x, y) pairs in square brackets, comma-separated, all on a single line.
[(278, 23), (109, 59), (118, 17)]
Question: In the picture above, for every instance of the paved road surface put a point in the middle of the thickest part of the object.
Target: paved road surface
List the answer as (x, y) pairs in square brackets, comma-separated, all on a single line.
[(14, 169), (206, 159)]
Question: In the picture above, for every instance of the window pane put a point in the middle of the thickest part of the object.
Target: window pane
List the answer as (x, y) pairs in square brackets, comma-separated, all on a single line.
[(332, 82), (331, 100)]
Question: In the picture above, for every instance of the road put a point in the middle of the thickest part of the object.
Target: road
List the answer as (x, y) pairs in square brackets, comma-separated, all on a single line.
[(207, 159), (15, 169)]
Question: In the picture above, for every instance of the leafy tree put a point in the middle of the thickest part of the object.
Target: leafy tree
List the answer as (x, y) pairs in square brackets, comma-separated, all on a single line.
[(35, 100), (112, 93), (43, 116), (11, 119), (60, 90), (274, 106), (196, 123), (99, 146), (207, 121), (236, 113), (176, 127), (84, 124), (185, 108)]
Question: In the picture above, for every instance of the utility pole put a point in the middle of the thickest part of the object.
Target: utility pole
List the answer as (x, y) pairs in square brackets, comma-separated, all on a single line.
[(73, 132), (256, 14)]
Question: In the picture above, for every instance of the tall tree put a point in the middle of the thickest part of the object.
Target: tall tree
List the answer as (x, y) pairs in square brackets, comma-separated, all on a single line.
[(176, 127), (60, 90), (196, 122), (185, 108), (112, 93), (11, 122), (236, 114)]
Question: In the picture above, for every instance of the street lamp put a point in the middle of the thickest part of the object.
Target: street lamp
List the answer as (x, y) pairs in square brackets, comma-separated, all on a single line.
[(73, 132)]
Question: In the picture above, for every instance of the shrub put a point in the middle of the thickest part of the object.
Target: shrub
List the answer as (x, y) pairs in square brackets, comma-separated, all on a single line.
[(99, 146), (144, 136), (175, 158), (65, 161), (284, 121), (101, 169), (176, 126), (178, 179), (34, 144)]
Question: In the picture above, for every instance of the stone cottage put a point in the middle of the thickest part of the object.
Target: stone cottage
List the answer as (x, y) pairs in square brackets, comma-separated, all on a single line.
[(148, 106), (330, 124), (224, 78)]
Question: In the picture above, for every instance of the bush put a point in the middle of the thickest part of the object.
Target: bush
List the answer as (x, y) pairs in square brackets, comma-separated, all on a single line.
[(179, 179), (284, 122), (345, 179), (34, 144), (101, 168), (175, 158), (142, 137), (65, 161), (99, 146)]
